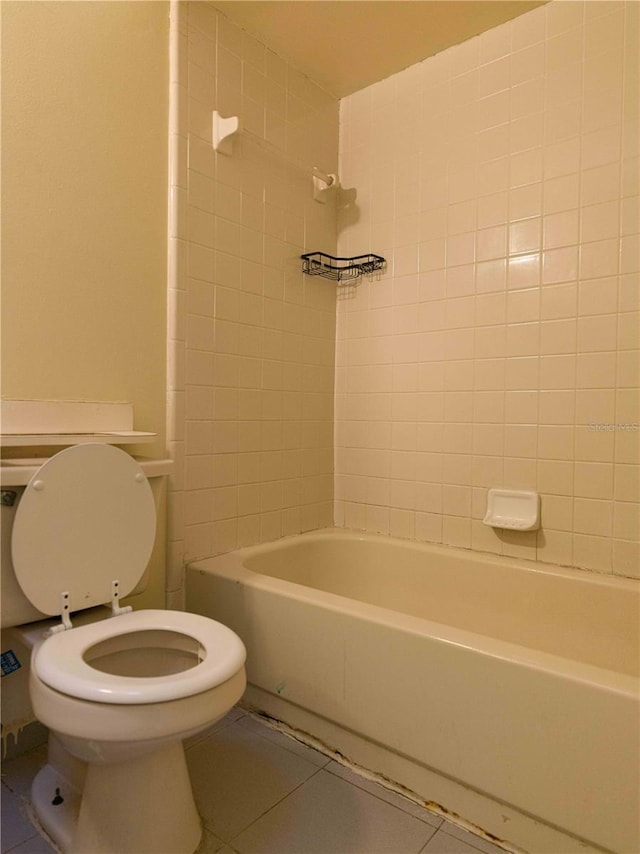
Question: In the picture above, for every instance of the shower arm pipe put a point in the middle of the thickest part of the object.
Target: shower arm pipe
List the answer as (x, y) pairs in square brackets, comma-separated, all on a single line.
[(322, 176)]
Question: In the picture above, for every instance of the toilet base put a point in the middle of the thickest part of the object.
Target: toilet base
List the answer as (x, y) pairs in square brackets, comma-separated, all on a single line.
[(142, 806)]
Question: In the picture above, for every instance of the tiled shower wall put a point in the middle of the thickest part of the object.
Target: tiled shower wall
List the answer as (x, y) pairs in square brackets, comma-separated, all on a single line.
[(251, 340), (500, 179)]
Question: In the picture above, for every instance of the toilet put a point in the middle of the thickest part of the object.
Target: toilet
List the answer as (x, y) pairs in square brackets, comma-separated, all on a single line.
[(118, 689)]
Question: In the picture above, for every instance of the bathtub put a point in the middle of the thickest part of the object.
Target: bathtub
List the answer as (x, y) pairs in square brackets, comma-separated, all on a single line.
[(501, 690)]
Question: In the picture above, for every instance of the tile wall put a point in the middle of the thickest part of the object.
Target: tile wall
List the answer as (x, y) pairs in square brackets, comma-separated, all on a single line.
[(500, 179), (251, 340)]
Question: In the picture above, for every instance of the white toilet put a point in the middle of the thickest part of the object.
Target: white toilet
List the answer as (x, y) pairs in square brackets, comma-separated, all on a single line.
[(118, 694)]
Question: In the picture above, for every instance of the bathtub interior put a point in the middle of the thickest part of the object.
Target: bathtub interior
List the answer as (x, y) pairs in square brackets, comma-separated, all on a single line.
[(566, 612)]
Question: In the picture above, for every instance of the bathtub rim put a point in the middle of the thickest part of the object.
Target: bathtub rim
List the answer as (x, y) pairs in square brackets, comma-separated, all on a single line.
[(231, 566)]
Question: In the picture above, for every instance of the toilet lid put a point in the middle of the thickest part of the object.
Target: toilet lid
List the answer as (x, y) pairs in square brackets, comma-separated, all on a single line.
[(86, 518)]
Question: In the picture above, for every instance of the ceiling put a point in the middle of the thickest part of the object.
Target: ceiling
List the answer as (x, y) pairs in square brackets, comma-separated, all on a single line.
[(345, 45)]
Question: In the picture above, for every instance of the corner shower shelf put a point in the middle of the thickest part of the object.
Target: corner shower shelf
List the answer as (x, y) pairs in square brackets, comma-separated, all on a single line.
[(338, 269)]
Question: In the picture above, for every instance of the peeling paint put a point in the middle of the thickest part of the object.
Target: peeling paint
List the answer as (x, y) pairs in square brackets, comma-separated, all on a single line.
[(13, 729)]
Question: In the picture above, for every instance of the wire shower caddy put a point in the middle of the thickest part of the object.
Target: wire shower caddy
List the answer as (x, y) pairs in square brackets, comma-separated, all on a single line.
[(340, 269)]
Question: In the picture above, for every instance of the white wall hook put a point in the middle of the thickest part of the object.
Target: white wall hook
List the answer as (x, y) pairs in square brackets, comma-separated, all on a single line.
[(223, 131)]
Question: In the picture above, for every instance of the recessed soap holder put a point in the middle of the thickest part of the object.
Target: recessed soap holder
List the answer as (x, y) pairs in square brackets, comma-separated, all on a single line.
[(515, 510)]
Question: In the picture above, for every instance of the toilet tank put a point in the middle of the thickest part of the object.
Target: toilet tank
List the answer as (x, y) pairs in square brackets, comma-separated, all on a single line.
[(15, 608)]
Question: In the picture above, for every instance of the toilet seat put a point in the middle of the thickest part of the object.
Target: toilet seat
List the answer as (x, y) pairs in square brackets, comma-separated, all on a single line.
[(60, 664)]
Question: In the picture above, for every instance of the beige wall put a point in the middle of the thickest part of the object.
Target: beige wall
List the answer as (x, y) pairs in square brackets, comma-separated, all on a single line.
[(251, 339), (500, 178), (84, 177)]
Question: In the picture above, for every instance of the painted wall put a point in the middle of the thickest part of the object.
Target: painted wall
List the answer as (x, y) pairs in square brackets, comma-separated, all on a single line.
[(251, 340), (500, 179), (84, 178)]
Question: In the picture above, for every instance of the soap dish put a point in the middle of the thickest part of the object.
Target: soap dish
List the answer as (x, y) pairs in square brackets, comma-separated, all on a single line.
[(515, 510)]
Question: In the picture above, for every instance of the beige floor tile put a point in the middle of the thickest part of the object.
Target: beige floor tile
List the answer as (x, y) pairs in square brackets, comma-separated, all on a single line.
[(237, 776), (444, 843), (327, 815), (16, 827), (285, 741), (209, 844), (387, 795), (231, 717), (472, 839), (34, 845), (18, 773)]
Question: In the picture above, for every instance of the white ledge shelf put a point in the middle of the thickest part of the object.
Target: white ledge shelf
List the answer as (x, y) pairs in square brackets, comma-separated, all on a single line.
[(120, 437), (33, 423)]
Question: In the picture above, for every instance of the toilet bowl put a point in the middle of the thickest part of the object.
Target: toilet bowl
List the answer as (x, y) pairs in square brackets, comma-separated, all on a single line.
[(117, 694)]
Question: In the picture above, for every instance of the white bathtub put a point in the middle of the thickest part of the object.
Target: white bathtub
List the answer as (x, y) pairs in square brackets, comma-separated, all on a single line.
[(504, 691)]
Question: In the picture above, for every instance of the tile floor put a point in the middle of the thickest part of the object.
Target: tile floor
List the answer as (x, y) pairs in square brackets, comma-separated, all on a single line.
[(261, 792)]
